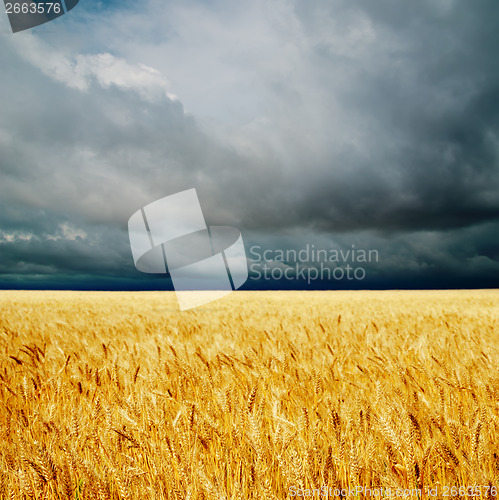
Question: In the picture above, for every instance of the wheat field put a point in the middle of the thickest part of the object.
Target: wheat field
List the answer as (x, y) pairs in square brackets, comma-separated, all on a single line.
[(259, 395)]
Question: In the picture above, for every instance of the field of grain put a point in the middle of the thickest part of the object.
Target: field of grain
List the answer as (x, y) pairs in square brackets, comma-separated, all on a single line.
[(258, 395)]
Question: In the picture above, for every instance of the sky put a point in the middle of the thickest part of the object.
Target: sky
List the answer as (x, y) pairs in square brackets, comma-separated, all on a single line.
[(308, 125)]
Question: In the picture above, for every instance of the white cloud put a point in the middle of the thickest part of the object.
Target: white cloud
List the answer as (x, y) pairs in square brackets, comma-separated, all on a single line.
[(110, 70), (15, 236), (79, 71)]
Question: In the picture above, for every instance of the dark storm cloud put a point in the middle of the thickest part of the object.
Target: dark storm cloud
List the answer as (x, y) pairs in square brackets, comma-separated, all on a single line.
[(424, 100), (43, 242), (104, 151), (460, 258), (375, 121)]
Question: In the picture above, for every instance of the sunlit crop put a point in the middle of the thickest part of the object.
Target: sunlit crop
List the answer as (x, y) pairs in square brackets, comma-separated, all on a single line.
[(258, 395)]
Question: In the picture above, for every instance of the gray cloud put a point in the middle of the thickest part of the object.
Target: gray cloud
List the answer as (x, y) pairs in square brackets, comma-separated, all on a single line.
[(339, 120)]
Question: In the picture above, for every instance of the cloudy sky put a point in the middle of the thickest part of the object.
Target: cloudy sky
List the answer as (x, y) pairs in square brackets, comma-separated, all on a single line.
[(324, 123)]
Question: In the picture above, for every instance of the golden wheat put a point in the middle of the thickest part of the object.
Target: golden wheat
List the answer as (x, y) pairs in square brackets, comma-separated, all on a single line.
[(120, 395)]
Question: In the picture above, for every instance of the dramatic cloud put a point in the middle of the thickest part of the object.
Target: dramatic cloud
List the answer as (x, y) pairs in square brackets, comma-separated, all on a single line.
[(301, 122)]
